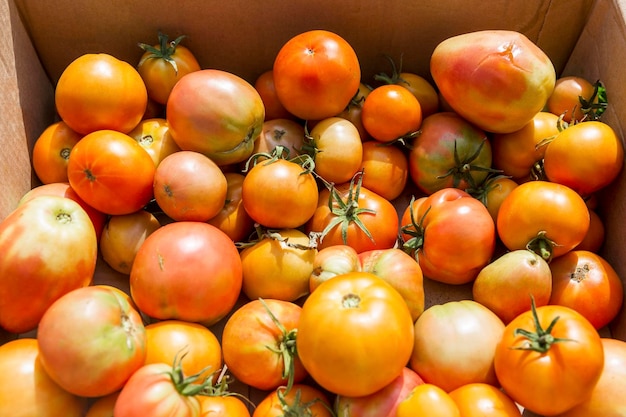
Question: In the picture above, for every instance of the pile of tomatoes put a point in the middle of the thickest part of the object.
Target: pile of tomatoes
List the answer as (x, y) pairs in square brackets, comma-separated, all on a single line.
[(278, 235)]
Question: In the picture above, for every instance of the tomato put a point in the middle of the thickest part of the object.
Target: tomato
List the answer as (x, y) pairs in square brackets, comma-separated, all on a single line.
[(386, 169), (259, 344), (391, 112), (222, 406), (506, 284), (216, 113), (316, 74), (586, 157), (548, 218), (332, 261), (188, 186), (463, 351), (336, 148), (516, 153), (382, 403), (354, 110), (549, 359), (122, 237), (168, 339), (492, 193), (278, 265), (350, 214), (100, 92), (154, 136), (452, 235), (103, 406), (354, 318), (188, 271), (64, 189), (233, 219), (51, 152), (91, 341), (607, 397), (587, 283), (274, 109), (158, 390), (428, 399), (449, 152), (163, 65), (111, 172), (25, 387), (484, 400), (49, 248), (280, 132), (301, 400), (279, 193), (573, 98), (594, 239), (495, 79)]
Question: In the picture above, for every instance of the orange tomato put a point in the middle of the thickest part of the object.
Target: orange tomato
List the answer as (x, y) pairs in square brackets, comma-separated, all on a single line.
[(154, 136), (301, 400), (572, 98), (233, 219), (386, 169), (274, 109), (428, 399), (222, 406), (484, 400), (391, 112), (51, 152)]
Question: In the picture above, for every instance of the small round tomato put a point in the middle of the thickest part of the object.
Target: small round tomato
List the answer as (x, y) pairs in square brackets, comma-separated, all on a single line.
[(337, 149), (516, 153), (197, 347), (350, 214), (51, 152), (585, 157), (316, 74), (189, 186), (355, 318), (573, 97), (173, 278), (332, 261), (123, 235), (385, 168), (594, 239), (99, 92), (233, 219), (162, 65), (492, 193), (391, 112), (546, 217), (280, 132), (25, 387), (279, 193), (278, 265), (587, 283), (259, 344), (463, 351), (354, 109), (428, 399), (111, 172), (222, 406), (484, 400), (153, 135), (301, 400), (533, 360), (274, 109)]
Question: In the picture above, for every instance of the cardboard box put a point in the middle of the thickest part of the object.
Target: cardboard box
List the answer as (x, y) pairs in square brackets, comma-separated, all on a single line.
[(39, 38)]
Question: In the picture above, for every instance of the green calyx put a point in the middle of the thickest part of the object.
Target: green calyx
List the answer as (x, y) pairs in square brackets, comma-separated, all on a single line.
[(415, 229), (165, 50)]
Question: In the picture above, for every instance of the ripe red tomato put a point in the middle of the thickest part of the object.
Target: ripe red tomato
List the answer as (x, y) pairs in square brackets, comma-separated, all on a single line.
[(354, 318), (428, 399), (385, 168), (279, 193), (25, 387), (51, 152), (587, 283), (100, 92), (573, 97), (162, 66), (154, 136), (549, 359), (463, 351), (259, 344), (391, 112), (216, 113), (546, 217), (449, 152), (468, 68), (316, 74), (484, 400), (91, 341), (188, 271), (168, 340), (274, 109), (233, 218), (350, 214), (301, 400), (111, 172), (49, 248), (586, 157), (452, 235)]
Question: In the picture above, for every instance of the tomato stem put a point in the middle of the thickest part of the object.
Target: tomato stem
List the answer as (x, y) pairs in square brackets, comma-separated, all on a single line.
[(542, 246)]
